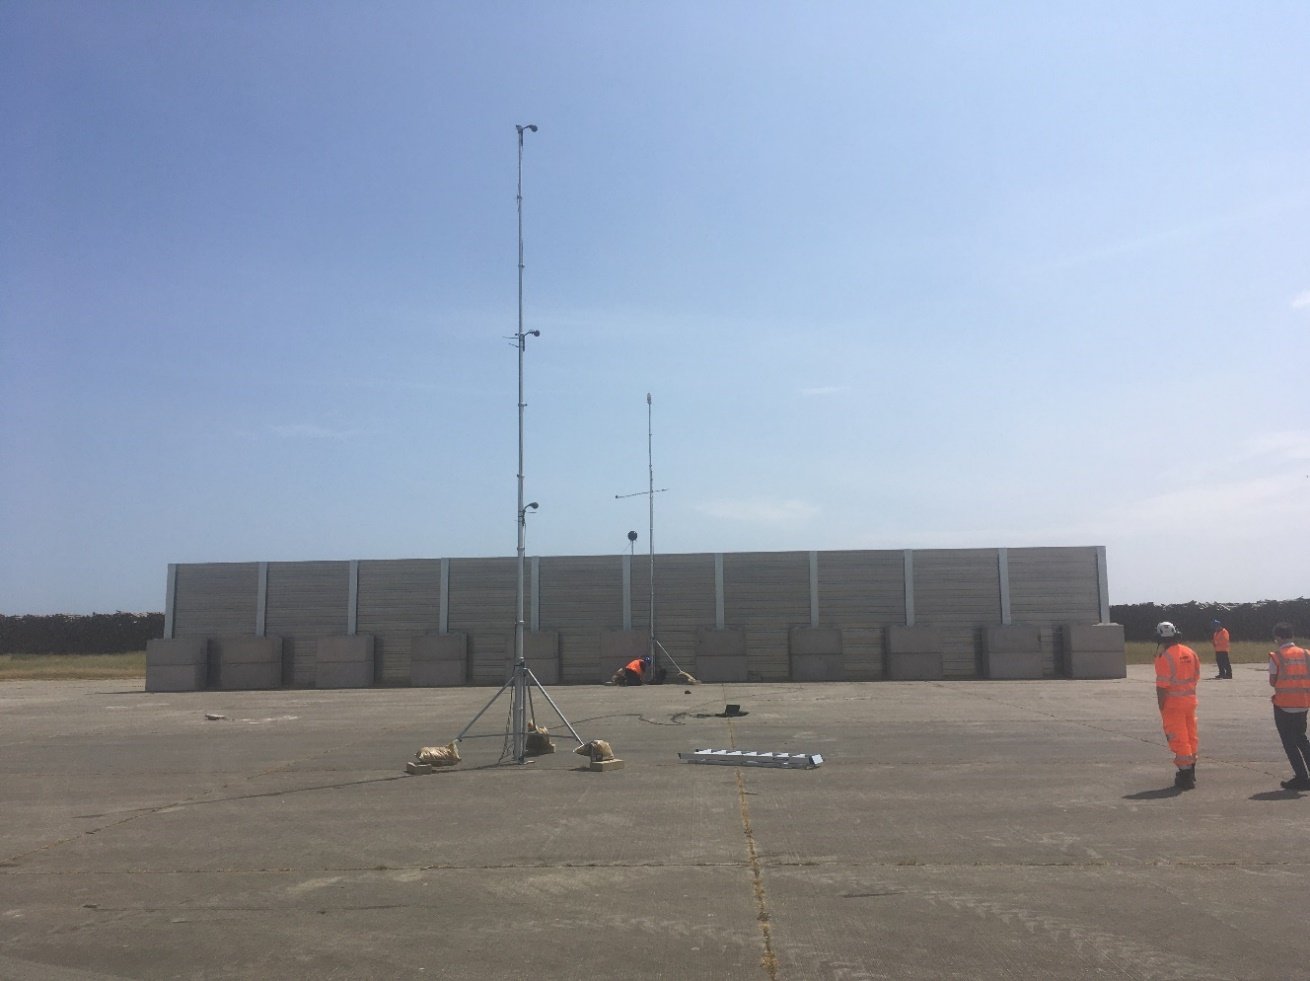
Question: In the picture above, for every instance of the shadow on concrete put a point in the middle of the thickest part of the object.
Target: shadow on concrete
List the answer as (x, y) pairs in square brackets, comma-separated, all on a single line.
[(1276, 795), (1160, 794)]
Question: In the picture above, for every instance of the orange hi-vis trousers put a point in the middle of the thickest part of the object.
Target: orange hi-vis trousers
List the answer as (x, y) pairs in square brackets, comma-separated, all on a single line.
[(1179, 718)]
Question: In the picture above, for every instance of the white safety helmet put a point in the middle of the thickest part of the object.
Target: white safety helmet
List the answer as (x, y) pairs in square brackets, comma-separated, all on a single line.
[(1164, 630)]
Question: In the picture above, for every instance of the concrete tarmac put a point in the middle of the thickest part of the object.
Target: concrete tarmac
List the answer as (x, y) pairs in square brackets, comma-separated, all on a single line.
[(972, 829)]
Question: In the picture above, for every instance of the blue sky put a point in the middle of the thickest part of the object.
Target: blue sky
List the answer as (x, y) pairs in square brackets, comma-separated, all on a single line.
[(896, 275)]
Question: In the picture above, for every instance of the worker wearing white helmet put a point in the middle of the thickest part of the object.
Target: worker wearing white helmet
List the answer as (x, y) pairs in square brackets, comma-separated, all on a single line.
[(1177, 670)]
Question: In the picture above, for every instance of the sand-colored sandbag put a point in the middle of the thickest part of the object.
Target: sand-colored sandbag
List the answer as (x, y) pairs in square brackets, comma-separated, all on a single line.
[(447, 755), (536, 741), (598, 750)]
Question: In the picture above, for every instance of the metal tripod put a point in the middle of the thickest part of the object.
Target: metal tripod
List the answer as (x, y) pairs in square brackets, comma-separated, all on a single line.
[(521, 679), (520, 683)]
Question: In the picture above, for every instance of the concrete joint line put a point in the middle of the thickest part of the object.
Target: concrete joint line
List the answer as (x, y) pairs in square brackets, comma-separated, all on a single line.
[(769, 960)]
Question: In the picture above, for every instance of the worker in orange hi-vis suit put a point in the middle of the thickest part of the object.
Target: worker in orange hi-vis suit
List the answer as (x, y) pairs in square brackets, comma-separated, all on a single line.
[(1177, 670), (1219, 640)]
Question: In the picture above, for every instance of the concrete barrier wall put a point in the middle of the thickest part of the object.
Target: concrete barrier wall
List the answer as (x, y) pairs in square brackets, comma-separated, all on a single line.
[(583, 614)]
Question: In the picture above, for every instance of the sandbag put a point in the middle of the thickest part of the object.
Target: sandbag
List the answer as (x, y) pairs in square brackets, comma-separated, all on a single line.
[(447, 755), (536, 741), (598, 750)]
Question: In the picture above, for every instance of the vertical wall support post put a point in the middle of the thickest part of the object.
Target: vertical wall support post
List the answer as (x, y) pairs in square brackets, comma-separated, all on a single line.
[(1003, 574), (909, 587), (261, 602), (814, 589), (1103, 583), (352, 600), (536, 592), (443, 615), (170, 601), (718, 590), (627, 592)]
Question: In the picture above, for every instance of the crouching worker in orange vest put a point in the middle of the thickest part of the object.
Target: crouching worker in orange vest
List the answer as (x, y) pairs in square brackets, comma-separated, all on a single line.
[(635, 670), (1177, 670), (1289, 674)]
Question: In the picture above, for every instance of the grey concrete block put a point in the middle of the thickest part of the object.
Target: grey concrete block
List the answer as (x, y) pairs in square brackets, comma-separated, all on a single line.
[(720, 668), (818, 667), (1096, 664), (1012, 665), (246, 663), (912, 640), (1011, 652), (175, 677), (1107, 637), (438, 674), (814, 640), (344, 662), (1094, 651), (712, 643), (915, 666), (1012, 639), (177, 651), (344, 674), (177, 664), (439, 660), (344, 649)]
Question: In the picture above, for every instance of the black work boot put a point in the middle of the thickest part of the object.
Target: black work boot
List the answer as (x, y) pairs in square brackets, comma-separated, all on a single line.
[(1185, 779)]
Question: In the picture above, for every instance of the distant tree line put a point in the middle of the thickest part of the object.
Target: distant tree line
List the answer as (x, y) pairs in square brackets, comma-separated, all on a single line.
[(96, 633), (1245, 621)]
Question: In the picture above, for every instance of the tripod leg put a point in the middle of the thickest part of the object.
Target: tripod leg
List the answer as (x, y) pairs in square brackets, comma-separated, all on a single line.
[(484, 709), (533, 678)]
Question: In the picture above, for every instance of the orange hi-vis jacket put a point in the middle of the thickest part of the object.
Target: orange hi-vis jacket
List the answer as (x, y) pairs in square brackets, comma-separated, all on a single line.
[(1292, 683), (1220, 640), (1177, 670), (636, 666)]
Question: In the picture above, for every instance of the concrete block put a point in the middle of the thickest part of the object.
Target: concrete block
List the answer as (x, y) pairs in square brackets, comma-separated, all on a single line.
[(177, 664), (600, 766), (176, 677), (1094, 651), (1013, 638), (917, 666), (912, 640), (1012, 666), (720, 669), (818, 667), (1096, 664), (344, 662), (246, 663), (439, 660), (814, 640), (711, 643), (1108, 637), (1012, 652), (720, 655)]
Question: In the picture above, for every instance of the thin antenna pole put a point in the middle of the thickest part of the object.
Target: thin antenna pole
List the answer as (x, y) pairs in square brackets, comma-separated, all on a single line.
[(519, 698), (650, 538)]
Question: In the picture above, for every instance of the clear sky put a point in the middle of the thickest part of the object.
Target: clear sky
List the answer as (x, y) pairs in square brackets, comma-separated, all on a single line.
[(897, 275)]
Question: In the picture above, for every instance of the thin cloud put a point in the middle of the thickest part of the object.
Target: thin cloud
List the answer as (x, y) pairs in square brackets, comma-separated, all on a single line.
[(1293, 446), (1202, 508), (310, 431), (760, 511), (1301, 301)]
